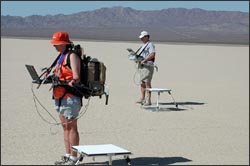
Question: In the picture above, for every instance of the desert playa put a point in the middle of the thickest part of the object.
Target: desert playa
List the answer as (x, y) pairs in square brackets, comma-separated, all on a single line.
[(209, 82)]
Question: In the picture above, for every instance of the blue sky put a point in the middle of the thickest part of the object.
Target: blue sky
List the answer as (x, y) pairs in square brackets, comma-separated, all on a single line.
[(27, 8)]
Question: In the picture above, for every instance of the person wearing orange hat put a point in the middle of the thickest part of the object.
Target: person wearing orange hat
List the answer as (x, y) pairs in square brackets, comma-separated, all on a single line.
[(147, 51), (67, 104)]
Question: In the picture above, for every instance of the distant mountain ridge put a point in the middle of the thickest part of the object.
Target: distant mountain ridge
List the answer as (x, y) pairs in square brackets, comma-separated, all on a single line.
[(176, 24)]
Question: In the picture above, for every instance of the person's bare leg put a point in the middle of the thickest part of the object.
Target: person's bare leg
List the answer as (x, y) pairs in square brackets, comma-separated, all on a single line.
[(74, 136), (148, 85), (66, 131), (143, 86), (71, 135)]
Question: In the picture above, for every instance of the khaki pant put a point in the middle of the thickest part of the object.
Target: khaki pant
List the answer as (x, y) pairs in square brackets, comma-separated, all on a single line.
[(146, 73)]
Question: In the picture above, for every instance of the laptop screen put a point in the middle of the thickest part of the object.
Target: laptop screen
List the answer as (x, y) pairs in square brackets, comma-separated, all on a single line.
[(33, 73)]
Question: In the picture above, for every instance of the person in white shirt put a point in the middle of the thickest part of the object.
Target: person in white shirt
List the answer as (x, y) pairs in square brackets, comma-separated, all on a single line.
[(147, 51)]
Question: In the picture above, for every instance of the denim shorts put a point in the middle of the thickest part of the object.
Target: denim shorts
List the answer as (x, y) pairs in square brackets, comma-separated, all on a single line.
[(69, 108)]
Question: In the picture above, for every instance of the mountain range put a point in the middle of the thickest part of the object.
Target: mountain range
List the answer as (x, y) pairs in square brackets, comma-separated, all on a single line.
[(124, 23)]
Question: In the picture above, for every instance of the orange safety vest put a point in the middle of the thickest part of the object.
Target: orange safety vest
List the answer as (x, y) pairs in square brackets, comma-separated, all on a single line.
[(64, 73)]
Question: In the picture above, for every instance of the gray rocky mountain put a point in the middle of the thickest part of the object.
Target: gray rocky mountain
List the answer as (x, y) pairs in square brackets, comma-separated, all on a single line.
[(119, 23)]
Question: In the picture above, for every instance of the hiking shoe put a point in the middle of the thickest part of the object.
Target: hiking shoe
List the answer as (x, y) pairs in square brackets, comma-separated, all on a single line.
[(70, 162), (140, 101), (147, 103), (63, 160)]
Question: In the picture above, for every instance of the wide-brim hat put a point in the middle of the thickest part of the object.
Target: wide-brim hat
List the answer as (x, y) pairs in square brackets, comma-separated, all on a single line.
[(60, 38), (143, 33)]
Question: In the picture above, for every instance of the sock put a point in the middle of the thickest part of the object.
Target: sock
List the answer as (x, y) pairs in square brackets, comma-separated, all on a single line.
[(73, 158)]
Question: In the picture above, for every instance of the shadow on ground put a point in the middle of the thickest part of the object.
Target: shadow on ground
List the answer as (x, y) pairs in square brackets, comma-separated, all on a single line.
[(183, 103), (142, 161), (178, 106)]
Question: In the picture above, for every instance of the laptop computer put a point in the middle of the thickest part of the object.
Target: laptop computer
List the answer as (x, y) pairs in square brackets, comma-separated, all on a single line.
[(130, 51), (33, 74), (133, 56)]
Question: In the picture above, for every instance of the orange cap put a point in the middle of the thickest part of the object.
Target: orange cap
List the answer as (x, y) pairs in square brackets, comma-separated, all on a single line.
[(60, 38)]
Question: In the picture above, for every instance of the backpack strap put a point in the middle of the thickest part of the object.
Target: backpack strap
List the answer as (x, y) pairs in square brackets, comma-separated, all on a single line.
[(153, 60), (138, 50), (77, 51), (142, 49), (51, 66), (68, 59)]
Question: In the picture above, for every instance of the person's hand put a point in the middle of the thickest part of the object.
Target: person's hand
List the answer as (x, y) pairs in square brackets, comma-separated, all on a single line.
[(72, 82), (45, 74), (143, 61)]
